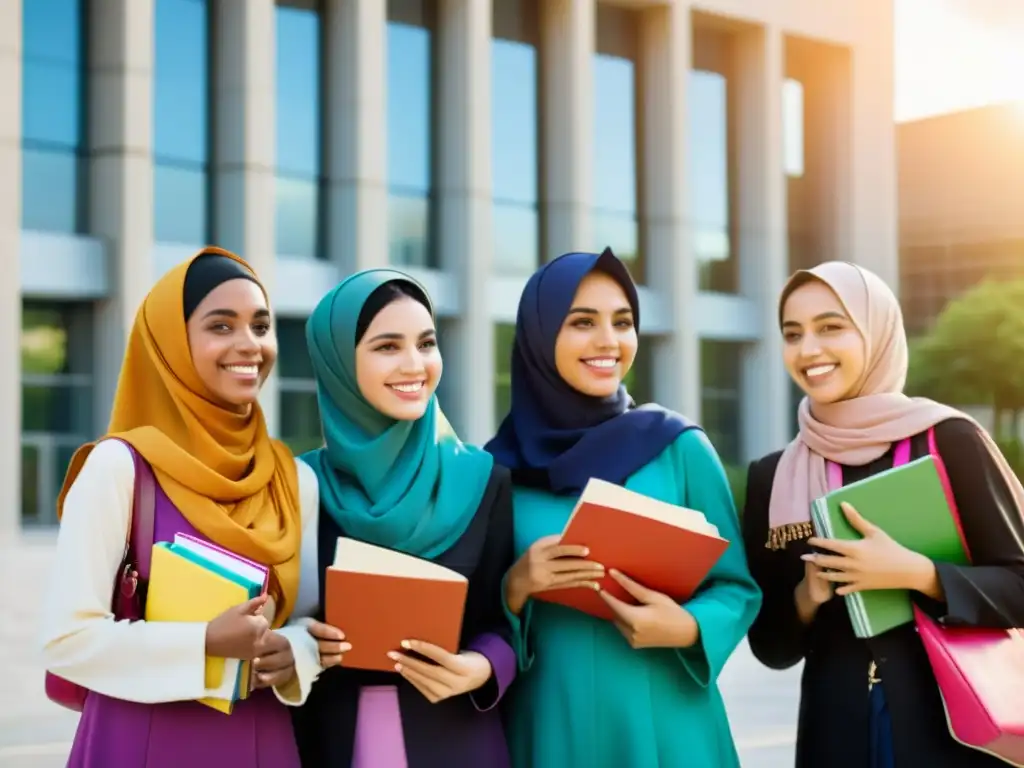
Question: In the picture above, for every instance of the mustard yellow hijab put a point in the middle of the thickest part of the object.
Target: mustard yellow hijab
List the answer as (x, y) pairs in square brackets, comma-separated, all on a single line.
[(221, 469)]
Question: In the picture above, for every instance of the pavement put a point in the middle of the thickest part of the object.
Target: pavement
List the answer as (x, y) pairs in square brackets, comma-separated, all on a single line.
[(34, 733)]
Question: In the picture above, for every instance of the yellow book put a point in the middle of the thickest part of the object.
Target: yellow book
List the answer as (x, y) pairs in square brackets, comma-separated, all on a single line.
[(184, 587)]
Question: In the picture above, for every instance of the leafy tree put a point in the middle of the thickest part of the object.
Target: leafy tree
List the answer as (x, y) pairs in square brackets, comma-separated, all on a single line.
[(975, 353)]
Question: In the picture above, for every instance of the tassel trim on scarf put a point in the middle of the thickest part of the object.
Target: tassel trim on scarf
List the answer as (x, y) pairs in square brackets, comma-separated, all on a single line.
[(783, 535)]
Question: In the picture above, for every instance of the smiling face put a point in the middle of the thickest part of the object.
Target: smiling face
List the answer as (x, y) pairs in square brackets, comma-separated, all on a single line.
[(597, 342), (232, 342), (824, 351), (398, 364)]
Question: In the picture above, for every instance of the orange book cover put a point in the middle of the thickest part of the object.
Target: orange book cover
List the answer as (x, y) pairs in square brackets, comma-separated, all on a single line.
[(379, 597), (664, 547)]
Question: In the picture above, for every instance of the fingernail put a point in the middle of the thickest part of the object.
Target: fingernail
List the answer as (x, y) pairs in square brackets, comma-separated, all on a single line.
[(807, 557), (613, 572), (586, 551), (406, 644), (398, 667), (393, 656)]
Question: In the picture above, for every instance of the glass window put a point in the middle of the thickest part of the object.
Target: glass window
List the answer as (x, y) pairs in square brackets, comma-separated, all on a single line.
[(514, 137), (56, 392), (708, 166), (504, 334), (298, 111), (793, 127), (300, 414), (410, 112), (53, 109), (181, 125), (615, 215), (720, 396)]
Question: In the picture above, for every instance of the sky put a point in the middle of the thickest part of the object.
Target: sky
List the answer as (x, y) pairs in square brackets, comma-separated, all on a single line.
[(957, 54)]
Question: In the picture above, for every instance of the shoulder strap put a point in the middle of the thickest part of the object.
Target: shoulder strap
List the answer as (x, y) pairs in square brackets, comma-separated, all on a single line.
[(144, 514), (940, 466), (900, 457)]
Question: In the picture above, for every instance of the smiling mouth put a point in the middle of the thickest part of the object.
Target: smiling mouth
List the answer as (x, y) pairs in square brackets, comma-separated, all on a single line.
[(248, 370), (816, 373), (601, 363), (408, 388)]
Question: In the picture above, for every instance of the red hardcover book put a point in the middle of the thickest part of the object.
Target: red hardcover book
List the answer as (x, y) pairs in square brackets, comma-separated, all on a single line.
[(664, 547), (379, 597)]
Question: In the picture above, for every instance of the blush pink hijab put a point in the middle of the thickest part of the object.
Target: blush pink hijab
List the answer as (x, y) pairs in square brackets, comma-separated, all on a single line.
[(862, 428)]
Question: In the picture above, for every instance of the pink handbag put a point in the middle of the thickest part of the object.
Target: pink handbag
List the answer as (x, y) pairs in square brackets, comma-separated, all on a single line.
[(126, 600), (979, 672)]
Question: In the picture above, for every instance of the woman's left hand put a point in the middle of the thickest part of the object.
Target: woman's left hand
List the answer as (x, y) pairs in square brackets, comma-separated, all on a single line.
[(451, 674), (275, 665), (657, 622), (873, 562)]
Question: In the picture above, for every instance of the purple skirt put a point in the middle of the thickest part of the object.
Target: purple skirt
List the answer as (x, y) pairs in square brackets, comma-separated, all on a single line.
[(112, 732)]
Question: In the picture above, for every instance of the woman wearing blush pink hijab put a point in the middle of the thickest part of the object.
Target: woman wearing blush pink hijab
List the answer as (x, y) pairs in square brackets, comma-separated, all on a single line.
[(870, 703)]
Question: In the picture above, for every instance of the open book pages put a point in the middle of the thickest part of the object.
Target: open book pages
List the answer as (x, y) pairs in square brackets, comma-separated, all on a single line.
[(360, 557), (605, 494)]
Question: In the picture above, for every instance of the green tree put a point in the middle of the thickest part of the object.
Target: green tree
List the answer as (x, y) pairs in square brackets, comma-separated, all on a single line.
[(975, 353)]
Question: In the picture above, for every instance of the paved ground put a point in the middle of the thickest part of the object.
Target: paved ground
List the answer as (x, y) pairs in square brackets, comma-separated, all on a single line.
[(36, 734)]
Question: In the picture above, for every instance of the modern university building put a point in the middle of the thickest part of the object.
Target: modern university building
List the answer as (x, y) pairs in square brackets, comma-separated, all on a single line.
[(715, 145)]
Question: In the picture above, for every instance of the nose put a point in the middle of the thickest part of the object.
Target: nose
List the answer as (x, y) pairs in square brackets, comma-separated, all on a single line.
[(606, 336), (247, 343), (412, 361), (810, 345)]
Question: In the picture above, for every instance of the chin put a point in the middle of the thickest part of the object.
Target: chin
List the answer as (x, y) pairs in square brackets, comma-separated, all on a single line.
[(407, 412)]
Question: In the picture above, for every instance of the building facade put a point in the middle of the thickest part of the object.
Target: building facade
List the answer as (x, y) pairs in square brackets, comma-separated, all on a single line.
[(961, 213), (463, 140)]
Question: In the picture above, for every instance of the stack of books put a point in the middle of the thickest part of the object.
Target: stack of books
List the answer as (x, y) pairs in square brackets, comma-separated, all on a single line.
[(909, 503), (191, 580)]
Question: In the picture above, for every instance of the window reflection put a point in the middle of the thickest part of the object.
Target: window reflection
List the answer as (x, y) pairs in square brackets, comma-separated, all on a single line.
[(409, 116), (615, 215), (514, 138), (300, 414), (708, 165), (181, 97), (56, 398), (720, 363), (298, 110), (53, 103)]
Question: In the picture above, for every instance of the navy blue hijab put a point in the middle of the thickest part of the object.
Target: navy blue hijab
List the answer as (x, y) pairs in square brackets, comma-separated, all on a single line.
[(555, 437)]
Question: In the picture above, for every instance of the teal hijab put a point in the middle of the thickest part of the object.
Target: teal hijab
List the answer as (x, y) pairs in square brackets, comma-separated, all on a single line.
[(412, 486)]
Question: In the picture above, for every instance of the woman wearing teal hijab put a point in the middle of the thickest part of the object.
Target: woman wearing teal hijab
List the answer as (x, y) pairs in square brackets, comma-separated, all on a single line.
[(393, 473)]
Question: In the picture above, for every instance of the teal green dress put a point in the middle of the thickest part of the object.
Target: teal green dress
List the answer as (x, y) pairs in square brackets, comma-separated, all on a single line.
[(584, 697)]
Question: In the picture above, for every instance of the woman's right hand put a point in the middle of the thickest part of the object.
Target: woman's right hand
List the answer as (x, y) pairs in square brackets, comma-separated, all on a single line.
[(330, 641), (549, 565), (812, 592), (238, 632)]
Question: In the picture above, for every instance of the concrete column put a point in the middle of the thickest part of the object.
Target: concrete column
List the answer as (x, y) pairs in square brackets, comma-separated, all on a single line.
[(243, 158), (464, 213), (120, 174), (665, 63), (757, 78), (568, 30), (356, 129), (874, 215), (10, 286)]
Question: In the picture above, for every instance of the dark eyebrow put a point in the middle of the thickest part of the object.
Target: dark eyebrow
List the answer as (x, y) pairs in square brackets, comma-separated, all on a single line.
[(261, 313), (589, 311), (818, 318), (399, 337)]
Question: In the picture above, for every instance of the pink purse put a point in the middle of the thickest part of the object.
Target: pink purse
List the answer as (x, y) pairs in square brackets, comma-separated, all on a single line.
[(126, 600), (979, 672)]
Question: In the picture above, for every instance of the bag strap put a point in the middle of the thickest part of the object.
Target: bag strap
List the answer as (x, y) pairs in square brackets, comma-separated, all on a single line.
[(947, 487), (900, 457), (143, 515)]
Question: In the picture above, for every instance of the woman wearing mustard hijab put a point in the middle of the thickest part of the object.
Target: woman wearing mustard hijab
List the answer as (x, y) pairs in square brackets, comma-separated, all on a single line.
[(202, 344), (394, 474)]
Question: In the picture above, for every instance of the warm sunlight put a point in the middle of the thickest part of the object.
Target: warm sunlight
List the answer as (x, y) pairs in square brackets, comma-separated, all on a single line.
[(948, 58)]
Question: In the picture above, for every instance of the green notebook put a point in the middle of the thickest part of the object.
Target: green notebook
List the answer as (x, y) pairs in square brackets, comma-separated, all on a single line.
[(908, 503)]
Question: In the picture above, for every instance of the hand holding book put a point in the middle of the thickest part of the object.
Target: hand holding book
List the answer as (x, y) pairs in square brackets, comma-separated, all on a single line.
[(657, 621), (548, 565), (438, 674), (237, 632), (873, 562)]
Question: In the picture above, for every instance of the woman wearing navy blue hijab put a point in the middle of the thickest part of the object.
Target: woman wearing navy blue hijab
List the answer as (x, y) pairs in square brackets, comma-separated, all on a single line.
[(640, 691)]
